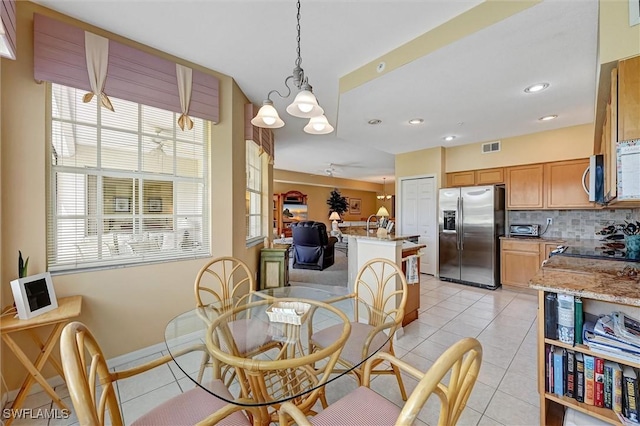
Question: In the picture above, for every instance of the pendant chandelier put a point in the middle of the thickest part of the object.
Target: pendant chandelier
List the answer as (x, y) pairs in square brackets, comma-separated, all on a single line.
[(305, 104), (384, 195)]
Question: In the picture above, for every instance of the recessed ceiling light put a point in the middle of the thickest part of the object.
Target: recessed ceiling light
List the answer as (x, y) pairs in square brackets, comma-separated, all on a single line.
[(374, 121), (538, 87), (548, 117), (416, 121), (449, 138)]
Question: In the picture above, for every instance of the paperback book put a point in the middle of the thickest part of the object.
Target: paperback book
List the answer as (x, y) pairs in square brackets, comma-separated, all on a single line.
[(566, 318)]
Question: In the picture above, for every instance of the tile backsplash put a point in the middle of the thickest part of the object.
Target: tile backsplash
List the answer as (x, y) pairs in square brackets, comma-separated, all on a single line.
[(578, 224)]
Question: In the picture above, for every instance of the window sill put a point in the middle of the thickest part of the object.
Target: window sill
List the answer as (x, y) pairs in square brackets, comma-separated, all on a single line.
[(252, 242)]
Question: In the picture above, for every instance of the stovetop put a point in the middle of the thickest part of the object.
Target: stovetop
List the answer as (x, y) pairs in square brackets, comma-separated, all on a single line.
[(598, 250)]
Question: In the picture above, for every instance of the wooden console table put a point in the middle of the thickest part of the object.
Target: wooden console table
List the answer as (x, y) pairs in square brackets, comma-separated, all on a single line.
[(68, 308)]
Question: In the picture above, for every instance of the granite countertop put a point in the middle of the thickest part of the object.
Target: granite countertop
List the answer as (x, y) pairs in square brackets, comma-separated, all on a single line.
[(541, 239), (387, 238), (606, 280)]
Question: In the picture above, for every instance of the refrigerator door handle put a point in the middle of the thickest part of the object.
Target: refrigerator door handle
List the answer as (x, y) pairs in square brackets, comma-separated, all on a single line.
[(458, 224), (461, 220)]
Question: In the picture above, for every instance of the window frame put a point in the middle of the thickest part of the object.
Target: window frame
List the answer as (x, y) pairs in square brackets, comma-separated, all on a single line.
[(140, 218), (258, 165)]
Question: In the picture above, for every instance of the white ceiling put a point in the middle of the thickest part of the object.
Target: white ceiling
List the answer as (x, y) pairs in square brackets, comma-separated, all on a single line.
[(477, 81)]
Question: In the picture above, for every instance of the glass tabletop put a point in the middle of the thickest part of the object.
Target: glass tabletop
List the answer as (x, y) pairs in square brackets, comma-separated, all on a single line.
[(251, 338)]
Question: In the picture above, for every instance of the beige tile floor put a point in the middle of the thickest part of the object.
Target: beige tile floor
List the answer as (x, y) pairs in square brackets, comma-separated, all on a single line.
[(503, 321)]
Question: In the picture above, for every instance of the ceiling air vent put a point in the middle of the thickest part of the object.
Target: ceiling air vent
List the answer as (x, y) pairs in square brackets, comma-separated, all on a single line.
[(490, 147)]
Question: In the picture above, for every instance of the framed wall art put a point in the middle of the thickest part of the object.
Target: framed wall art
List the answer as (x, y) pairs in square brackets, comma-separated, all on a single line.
[(155, 205), (354, 205), (121, 204)]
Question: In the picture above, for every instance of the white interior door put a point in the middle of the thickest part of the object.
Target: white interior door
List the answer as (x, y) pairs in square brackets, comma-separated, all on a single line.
[(418, 208), (427, 224)]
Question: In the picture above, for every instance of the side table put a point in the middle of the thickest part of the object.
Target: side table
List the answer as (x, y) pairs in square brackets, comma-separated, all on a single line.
[(274, 267), (68, 308)]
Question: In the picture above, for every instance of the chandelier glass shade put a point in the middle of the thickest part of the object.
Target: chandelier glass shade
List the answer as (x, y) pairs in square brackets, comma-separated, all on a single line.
[(318, 125), (304, 105)]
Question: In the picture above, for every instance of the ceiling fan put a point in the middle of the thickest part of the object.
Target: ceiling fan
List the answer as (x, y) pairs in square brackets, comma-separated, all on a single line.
[(159, 142)]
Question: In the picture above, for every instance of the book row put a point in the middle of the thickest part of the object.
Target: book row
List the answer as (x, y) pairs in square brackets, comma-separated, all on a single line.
[(592, 380)]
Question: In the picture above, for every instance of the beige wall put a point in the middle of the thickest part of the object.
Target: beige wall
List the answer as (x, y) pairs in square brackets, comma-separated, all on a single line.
[(617, 39), (317, 196), (553, 145), (113, 300), (423, 162)]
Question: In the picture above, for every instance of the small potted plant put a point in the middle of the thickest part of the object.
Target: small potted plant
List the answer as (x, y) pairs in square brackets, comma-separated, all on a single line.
[(22, 265)]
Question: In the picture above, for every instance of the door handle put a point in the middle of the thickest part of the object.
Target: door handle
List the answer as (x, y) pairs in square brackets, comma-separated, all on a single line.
[(461, 224), (584, 178), (457, 219)]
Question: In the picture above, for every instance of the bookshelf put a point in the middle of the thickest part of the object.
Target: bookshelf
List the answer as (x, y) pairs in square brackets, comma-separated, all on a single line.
[(552, 405)]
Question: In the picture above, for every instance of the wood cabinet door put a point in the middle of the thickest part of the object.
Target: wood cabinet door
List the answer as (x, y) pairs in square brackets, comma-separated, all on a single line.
[(524, 187), (461, 178), (629, 99), (490, 176), (518, 267), (563, 185)]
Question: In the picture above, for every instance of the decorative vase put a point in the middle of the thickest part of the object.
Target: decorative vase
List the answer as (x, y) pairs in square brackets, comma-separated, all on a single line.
[(632, 243)]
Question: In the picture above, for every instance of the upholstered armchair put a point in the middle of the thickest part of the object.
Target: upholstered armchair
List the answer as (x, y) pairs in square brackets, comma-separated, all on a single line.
[(312, 247)]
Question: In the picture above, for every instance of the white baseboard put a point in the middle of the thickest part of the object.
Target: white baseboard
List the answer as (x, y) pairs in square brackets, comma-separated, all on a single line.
[(113, 362)]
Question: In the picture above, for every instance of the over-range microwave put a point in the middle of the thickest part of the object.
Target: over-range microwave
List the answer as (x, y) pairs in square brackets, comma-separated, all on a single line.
[(595, 171)]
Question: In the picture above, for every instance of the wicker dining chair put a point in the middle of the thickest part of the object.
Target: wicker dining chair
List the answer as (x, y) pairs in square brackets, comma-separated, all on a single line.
[(289, 375), (223, 283), (92, 389), (379, 298), (460, 364)]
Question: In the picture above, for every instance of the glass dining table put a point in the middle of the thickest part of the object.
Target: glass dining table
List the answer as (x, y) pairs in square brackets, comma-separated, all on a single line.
[(217, 335)]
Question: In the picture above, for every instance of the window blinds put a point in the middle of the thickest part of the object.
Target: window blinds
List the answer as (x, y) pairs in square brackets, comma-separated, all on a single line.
[(127, 187), (132, 74)]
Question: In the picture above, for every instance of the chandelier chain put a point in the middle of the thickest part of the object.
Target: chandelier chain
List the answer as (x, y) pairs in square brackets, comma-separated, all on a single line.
[(299, 59)]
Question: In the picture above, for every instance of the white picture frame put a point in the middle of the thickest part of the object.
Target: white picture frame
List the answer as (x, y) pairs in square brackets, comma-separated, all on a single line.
[(34, 295), (634, 12)]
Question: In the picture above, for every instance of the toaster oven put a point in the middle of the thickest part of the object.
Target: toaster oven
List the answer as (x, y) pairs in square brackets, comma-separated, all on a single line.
[(524, 230)]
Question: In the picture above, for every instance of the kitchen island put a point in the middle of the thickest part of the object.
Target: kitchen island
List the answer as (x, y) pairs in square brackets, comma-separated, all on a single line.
[(395, 248), (603, 286)]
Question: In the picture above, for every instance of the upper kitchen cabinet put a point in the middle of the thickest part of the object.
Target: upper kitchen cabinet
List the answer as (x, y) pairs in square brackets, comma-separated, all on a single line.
[(461, 178), (490, 176), (621, 122), (525, 187), (629, 99), (476, 177), (556, 185), (564, 184)]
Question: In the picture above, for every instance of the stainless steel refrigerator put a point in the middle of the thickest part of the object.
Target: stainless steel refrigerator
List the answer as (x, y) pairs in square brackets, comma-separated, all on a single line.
[(470, 222)]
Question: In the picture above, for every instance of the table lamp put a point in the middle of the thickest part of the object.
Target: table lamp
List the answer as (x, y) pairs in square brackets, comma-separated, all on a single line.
[(335, 217), (382, 231)]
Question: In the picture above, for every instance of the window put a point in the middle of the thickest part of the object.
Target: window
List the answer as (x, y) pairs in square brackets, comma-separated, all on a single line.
[(254, 191), (126, 187)]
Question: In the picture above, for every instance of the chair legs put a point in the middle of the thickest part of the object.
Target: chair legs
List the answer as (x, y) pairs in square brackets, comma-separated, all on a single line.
[(403, 392)]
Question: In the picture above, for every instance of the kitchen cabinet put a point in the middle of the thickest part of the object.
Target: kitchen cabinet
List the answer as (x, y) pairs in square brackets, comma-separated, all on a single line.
[(461, 178), (555, 185), (629, 99), (489, 176), (621, 123), (563, 185), (519, 261), (476, 177), (524, 186)]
